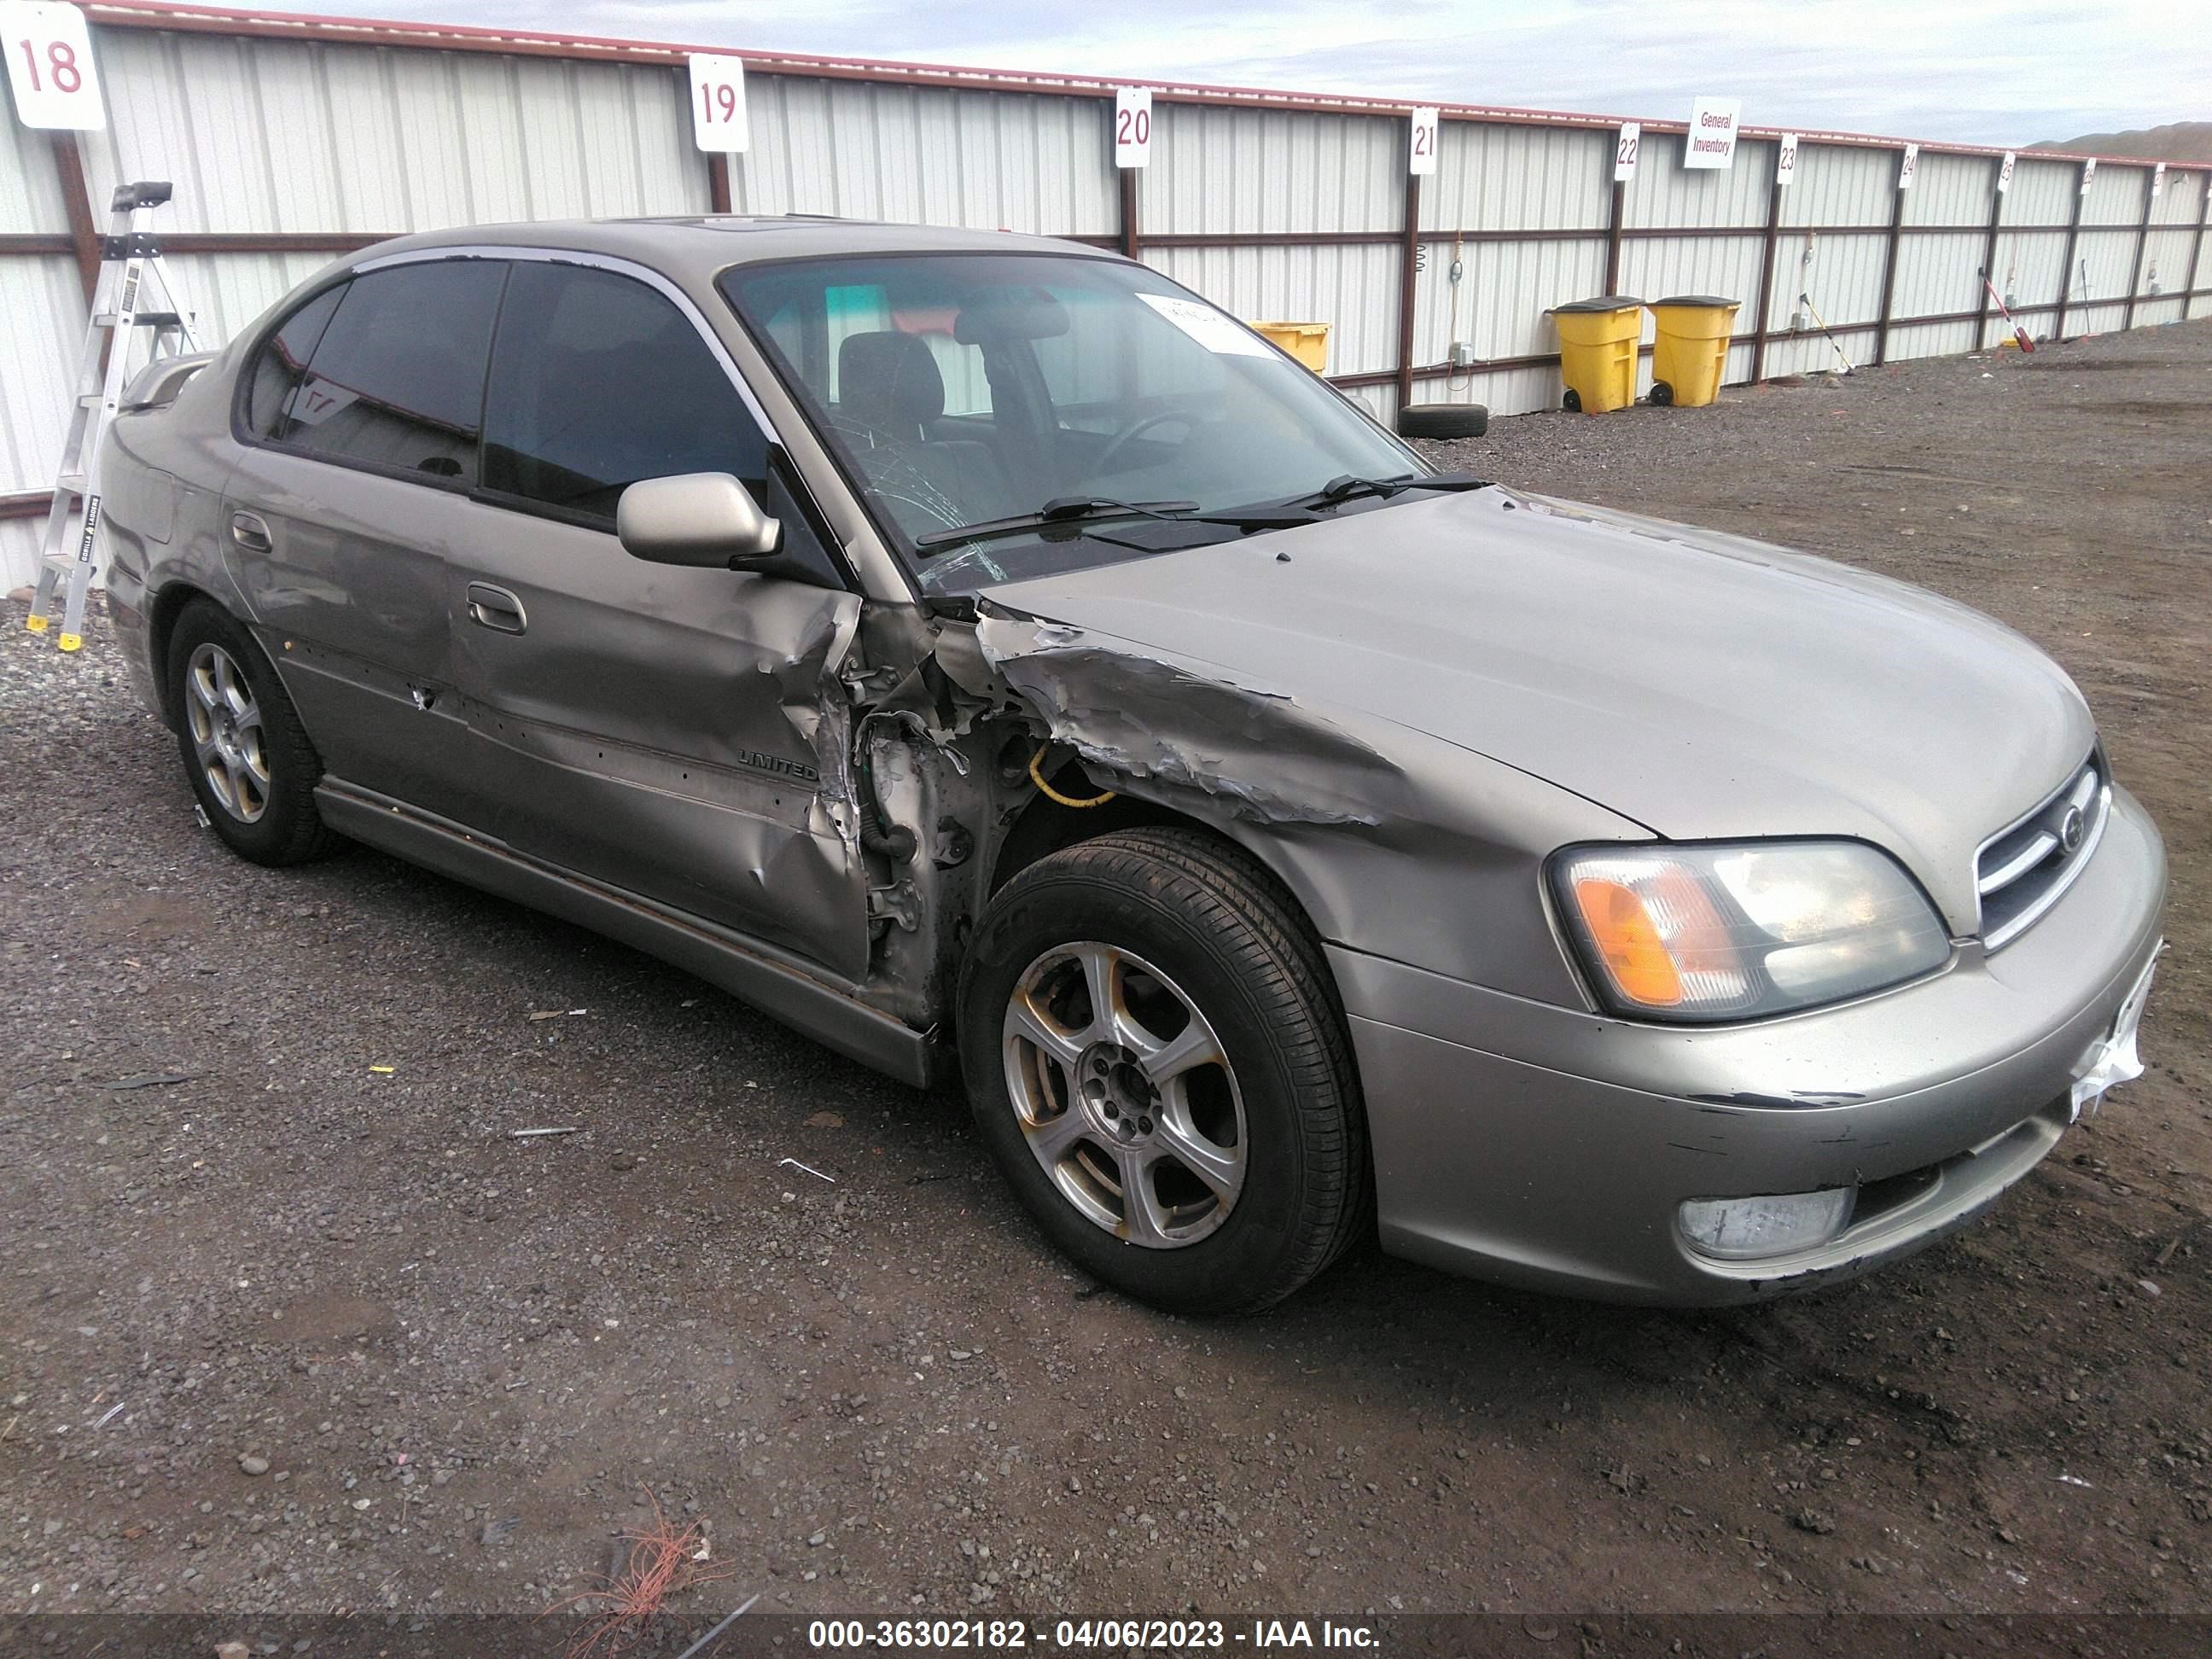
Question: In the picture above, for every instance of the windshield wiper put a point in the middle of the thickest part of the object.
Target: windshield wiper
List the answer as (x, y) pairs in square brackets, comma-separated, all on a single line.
[(1346, 487), (1064, 509)]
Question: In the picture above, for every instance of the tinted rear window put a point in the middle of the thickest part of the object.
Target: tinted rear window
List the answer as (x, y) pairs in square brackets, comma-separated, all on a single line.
[(397, 380), (283, 363)]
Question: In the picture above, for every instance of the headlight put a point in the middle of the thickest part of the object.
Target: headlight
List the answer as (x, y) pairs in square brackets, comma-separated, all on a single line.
[(1732, 930)]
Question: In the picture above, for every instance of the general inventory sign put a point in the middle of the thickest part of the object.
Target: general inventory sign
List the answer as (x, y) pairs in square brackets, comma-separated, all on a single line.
[(49, 65), (1710, 142)]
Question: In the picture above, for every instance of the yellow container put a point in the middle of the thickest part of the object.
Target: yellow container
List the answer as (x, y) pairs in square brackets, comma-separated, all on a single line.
[(1689, 347), (1307, 342), (1597, 351)]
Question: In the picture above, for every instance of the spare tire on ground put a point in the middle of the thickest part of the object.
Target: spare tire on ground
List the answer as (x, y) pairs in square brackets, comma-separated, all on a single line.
[(1443, 420)]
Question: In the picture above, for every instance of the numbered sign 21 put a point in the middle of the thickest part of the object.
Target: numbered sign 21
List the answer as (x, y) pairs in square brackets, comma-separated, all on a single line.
[(49, 65), (1133, 126), (1422, 156), (1625, 146), (718, 103)]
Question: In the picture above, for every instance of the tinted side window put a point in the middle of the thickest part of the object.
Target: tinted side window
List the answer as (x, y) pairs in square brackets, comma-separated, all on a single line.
[(283, 363), (397, 380), (598, 381)]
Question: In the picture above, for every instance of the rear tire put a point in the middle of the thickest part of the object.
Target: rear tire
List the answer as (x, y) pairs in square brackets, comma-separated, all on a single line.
[(247, 757), (1218, 1189), (1572, 403), (1662, 393)]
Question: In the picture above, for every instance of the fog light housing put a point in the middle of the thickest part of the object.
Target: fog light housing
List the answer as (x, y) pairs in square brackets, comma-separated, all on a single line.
[(1774, 1224)]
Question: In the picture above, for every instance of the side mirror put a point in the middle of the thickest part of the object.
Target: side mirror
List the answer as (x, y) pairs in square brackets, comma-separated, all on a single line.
[(705, 519)]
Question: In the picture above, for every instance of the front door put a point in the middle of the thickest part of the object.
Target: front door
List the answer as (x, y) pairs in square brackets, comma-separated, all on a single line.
[(363, 410), (678, 734)]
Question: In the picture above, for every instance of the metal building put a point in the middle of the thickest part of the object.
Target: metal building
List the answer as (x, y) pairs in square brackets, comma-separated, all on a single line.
[(291, 140)]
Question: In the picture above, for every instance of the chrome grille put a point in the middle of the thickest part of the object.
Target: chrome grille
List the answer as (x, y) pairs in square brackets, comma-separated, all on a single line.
[(2022, 870)]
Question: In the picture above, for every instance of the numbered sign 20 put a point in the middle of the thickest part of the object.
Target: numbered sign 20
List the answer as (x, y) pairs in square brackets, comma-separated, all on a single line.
[(718, 103), (1422, 157), (1133, 126), (49, 65), (1625, 146), (1785, 161), (1906, 166)]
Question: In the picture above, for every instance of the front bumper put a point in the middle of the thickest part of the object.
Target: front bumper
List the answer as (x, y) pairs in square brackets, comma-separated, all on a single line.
[(1550, 1147)]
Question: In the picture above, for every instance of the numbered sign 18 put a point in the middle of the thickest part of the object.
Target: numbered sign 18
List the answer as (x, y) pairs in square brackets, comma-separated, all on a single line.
[(1133, 126), (1625, 146), (49, 65), (1785, 161), (1422, 157), (718, 103), (1906, 166), (2004, 172)]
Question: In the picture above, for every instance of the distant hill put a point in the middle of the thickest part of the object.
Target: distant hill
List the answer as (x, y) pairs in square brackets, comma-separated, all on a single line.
[(2178, 141)]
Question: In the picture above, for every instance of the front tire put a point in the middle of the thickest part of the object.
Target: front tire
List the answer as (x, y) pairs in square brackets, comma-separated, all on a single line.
[(1158, 1065), (251, 765)]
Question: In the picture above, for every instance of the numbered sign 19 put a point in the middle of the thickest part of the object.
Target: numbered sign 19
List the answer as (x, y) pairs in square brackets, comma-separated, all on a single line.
[(1785, 161), (1422, 156), (49, 65), (718, 103), (1133, 126), (1905, 165), (1625, 143), (2004, 172)]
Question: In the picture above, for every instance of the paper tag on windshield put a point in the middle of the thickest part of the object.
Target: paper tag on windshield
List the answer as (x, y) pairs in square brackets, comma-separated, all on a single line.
[(1216, 333)]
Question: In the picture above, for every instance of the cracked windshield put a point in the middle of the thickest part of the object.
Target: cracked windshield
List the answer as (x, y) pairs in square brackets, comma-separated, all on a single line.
[(1010, 416)]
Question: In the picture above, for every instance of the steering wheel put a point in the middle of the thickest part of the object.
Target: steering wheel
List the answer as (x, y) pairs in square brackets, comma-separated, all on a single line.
[(1135, 430)]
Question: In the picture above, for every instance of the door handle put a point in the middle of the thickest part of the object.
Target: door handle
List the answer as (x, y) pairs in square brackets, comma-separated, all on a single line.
[(496, 609), (250, 533)]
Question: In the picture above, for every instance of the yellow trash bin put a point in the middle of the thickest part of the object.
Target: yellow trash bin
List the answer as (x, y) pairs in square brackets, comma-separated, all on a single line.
[(1307, 342), (1597, 351), (1689, 347)]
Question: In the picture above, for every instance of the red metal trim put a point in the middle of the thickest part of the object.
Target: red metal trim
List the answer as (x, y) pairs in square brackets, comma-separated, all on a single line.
[(1128, 183), (312, 241), (1409, 259), (444, 37), (1990, 255), (718, 184), (2142, 240), (1616, 214), (1889, 266), (58, 243), (2197, 246), (28, 504), (1284, 239), (77, 203)]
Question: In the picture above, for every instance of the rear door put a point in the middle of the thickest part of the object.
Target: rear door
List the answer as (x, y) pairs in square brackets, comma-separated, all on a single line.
[(363, 413), (663, 731)]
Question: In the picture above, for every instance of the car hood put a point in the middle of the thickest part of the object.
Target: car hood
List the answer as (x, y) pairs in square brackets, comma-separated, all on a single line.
[(1702, 684)]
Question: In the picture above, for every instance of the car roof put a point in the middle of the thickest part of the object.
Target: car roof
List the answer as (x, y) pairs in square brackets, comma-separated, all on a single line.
[(698, 247)]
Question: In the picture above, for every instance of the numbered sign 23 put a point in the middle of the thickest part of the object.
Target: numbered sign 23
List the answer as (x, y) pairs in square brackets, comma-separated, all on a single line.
[(1785, 161), (1625, 146), (1133, 126), (1422, 155), (49, 65), (718, 103)]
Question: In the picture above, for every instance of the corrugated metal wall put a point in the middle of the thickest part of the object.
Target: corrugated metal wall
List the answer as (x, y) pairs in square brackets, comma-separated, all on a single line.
[(286, 150)]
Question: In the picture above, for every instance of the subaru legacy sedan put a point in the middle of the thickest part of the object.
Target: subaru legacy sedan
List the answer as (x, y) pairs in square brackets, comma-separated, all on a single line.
[(984, 655)]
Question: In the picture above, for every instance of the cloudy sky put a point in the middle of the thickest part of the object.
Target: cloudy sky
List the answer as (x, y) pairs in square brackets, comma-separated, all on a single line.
[(1968, 70)]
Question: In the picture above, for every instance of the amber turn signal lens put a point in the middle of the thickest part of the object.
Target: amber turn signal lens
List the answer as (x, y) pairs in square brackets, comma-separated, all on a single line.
[(1628, 943)]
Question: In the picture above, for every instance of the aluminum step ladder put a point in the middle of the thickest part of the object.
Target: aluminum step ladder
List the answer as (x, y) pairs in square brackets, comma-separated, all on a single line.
[(134, 293)]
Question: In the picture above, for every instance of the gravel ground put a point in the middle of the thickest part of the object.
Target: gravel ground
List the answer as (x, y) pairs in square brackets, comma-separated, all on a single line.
[(296, 1327)]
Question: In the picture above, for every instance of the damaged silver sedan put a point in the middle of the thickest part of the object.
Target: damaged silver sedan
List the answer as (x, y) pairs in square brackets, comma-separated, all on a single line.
[(977, 650)]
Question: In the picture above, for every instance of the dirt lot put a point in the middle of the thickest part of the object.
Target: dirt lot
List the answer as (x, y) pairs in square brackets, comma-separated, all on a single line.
[(306, 1331)]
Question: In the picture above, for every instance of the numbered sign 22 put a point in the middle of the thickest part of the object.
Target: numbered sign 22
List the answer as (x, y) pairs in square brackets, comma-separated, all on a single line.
[(1785, 161), (2004, 172), (2089, 174), (49, 65), (1906, 166), (718, 103), (1422, 155), (1625, 146), (1133, 126)]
